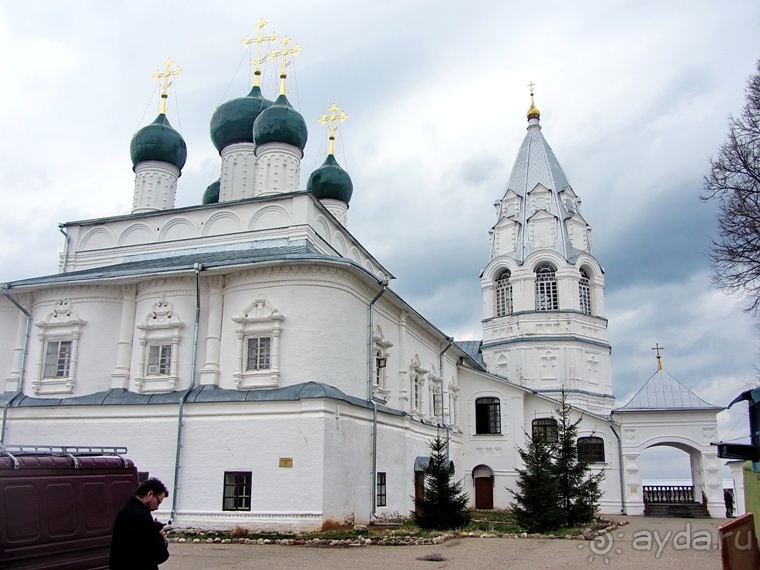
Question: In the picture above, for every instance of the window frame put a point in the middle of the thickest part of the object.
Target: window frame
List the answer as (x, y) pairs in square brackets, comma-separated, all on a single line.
[(547, 291), (235, 495), (584, 292), (57, 373), (546, 428), (164, 362), (488, 416), (593, 449), (262, 357), (381, 499), (503, 293)]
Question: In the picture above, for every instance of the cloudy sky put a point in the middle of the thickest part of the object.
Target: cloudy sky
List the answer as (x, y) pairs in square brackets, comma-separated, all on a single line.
[(634, 99)]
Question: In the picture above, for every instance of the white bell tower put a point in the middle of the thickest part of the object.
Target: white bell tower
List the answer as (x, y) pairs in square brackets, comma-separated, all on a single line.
[(543, 290)]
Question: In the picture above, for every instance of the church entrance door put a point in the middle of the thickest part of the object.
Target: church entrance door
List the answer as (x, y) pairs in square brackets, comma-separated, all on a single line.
[(484, 493)]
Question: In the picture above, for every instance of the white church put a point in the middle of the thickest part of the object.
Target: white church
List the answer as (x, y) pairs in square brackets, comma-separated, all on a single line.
[(252, 354)]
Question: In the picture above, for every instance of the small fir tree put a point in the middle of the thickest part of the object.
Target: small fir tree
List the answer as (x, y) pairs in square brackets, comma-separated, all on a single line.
[(537, 504), (556, 488), (578, 488), (443, 505)]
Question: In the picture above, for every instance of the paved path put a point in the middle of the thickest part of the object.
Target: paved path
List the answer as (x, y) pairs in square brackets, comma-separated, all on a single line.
[(688, 544)]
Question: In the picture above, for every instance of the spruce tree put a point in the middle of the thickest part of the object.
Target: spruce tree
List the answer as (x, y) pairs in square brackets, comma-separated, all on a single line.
[(443, 505), (537, 503), (556, 488), (579, 490)]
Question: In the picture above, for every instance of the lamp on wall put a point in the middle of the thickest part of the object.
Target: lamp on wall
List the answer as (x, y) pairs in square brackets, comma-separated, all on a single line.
[(381, 362)]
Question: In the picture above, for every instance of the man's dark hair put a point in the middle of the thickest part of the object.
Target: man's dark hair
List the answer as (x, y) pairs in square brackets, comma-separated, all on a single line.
[(151, 484)]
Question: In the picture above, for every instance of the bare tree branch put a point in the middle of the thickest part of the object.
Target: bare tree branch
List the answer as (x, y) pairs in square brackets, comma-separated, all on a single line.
[(734, 181)]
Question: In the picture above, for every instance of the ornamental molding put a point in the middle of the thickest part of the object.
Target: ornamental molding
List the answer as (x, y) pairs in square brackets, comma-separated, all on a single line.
[(161, 317), (258, 310), (61, 316), (416, 366)]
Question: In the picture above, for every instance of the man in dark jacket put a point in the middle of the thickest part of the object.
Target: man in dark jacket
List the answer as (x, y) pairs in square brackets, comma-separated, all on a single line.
[(138, 543)]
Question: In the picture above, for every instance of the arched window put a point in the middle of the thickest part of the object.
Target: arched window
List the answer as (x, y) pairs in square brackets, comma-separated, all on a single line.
[(546, 288), (591, 449), (546, 430), (487, 416), (584, 292), (503, 294)]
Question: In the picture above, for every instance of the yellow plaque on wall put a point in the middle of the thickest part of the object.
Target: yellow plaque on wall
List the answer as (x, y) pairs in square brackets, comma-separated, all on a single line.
[(286, 462)]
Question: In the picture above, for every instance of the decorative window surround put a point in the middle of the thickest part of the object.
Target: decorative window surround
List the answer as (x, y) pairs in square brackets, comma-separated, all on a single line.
[(157, 370), (380, 388), (435, 390), (453, 403), (417, 384), (59, 339), (258, 321)]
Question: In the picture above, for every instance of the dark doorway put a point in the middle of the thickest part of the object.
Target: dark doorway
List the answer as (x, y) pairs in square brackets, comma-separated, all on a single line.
[(484, 493)]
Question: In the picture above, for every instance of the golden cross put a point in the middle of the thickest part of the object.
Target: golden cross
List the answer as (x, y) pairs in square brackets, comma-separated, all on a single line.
[(332, 127), (658, 348), (158, 75), (258, 40), (531, 85), (284, 53)]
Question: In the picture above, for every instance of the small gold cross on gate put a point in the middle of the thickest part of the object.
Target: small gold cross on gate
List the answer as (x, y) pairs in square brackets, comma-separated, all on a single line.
[(658, 348)]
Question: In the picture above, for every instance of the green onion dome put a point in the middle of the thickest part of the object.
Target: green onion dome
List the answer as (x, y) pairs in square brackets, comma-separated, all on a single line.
[(160, 142), (330, 181), (232, 122), (280, 123), (211, 195)]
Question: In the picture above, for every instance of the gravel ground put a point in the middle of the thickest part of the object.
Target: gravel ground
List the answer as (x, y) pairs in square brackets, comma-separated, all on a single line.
[(689, 544)]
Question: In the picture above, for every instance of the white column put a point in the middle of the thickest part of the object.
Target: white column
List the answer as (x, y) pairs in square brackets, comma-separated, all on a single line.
[(13, 381), (238, 178), (120, 375), (403, 373), (209, 374)]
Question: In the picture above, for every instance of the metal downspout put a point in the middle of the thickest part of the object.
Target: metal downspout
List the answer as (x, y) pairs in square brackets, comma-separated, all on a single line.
[(65, 246), (22, 373), (620, 462), (197, 267), (373, 486), (444, 421)]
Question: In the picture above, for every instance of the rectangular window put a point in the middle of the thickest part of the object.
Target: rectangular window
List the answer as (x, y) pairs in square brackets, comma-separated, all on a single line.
[(159, 360), (437, 405), (382, 499), (237, 491), (416, 392), (259, 353), (57, 359), (487, 416)]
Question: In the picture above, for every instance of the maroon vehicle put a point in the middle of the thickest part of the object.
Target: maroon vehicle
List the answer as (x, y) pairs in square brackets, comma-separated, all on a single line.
[(58, 505)]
